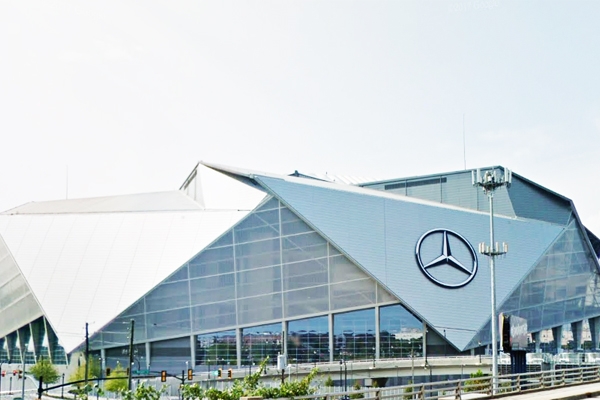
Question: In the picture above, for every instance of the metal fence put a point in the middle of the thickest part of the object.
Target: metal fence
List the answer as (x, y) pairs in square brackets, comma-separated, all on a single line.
[(479, 386)]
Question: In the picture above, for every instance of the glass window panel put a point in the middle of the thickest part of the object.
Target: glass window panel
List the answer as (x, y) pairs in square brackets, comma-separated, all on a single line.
[(167, 296), (383, 296), (260, 308), (225, 240), (305, 274), (574, 308), (180, 275), (212, 289), (212, 262), (259, 281), (400, 333), (216, 350), (352, 294), (258, 254), (553, 314), (539, 272), (557, 267), (577, 285), (136, 308), (333, 251), (306, 301), (532, 294), (214, 315), (308, 340), (259, 342), (354, 334), (258, 226), (269, 204), (512, 303), (168, 323), (303, 247), (291, 224), (343, 269)]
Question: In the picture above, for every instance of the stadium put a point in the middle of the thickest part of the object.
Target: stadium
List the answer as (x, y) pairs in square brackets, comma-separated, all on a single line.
[(239, 265)]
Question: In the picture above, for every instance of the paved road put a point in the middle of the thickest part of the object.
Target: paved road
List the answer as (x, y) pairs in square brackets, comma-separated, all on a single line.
[(590, 390)]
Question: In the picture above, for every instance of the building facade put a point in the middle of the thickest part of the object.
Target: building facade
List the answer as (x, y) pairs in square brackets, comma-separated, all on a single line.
[(323, 271)]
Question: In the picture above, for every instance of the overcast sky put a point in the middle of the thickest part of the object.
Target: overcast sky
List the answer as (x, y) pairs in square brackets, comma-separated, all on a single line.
[(130, 95)]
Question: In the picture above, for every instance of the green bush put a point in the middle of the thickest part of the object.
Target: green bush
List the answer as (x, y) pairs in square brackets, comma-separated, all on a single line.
[(329, 382), (477, 383), (356, 387), (251, 386), (408, 391)]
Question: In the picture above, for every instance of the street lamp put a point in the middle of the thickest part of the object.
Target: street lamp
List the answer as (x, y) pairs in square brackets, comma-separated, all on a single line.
[(23, 354), (490, 182)]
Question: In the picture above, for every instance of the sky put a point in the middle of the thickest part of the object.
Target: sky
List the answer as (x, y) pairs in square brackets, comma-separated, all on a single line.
[(114, 97)]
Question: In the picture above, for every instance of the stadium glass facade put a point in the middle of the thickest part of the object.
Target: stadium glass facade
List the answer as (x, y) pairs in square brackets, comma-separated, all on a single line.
[(270, 276), (323, 272)]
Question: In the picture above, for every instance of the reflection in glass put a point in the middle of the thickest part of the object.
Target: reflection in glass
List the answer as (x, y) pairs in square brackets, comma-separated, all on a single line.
[(308, 340), (260, 342), (216, 350), (400, 333), (354, 335)]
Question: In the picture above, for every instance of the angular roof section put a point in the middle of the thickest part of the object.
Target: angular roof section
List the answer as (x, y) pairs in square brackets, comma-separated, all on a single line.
[(87, 260), (379, 232)]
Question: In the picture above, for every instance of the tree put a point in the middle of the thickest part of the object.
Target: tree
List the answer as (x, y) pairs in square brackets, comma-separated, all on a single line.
[(117, 385), (94, 371), (46, 370), (329, 382)]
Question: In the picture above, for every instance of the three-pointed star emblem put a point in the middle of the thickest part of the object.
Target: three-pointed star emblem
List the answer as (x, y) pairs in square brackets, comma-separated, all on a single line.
[(466, 264)]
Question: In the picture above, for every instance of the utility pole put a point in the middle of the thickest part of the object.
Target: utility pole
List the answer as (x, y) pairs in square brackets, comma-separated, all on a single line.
[(130, 354), (490, 182), (87, 352)]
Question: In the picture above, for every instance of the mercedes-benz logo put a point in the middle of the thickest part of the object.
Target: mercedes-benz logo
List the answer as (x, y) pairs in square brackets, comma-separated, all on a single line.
[(455, 266)]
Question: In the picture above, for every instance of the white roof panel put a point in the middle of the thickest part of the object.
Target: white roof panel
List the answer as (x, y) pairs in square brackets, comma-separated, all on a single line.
[(87, 260), (159, 201)]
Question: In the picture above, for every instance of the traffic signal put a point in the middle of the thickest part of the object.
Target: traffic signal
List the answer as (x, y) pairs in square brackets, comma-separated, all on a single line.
[(163, 376), (229, 373), (220, 373), (20, 374), (15, 372), (190, 374), (127, 371), (108, 371), (3, 373)]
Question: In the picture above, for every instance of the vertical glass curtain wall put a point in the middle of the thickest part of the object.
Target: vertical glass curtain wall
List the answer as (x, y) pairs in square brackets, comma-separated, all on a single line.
[(308, 340), (214, 350), (400, 333), (260, 342), (268, 269), (355, 335), (561, 288)]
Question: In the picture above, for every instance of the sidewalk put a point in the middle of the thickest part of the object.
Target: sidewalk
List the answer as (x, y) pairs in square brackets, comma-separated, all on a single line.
[(566, 393)]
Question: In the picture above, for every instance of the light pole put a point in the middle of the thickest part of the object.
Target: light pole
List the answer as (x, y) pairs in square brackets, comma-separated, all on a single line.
[(23, 354), (490, 182)]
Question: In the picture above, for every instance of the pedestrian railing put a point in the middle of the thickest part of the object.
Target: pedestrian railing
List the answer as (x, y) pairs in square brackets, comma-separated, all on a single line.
[(479, 387)]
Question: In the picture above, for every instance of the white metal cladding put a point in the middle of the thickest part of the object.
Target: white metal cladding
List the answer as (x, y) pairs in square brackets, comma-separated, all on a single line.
[(159, 201), (380, 233), (17, 303), (90, 267)]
